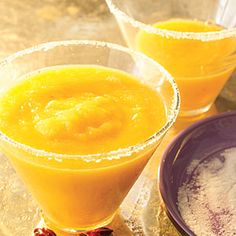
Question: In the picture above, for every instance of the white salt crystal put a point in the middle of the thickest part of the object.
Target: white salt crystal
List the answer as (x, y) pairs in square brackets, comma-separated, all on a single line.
[(207, 203)]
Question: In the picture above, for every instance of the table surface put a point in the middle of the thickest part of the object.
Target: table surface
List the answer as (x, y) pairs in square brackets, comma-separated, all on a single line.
[(28, 22)]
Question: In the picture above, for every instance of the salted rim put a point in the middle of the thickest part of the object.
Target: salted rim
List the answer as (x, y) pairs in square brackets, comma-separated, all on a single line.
[(203, 36), (116, 154)]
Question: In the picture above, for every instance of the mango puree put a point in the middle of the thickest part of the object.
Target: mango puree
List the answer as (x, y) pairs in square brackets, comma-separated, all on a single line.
[(200, 68), (79, 110)]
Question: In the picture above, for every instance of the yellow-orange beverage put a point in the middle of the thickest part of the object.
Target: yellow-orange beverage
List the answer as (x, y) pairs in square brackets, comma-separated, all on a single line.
[(79, 110), (200, 68)]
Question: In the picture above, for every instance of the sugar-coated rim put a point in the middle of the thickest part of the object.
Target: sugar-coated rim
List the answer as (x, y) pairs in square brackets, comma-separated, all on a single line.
[(112, 154), (203, 36), (161, 171)]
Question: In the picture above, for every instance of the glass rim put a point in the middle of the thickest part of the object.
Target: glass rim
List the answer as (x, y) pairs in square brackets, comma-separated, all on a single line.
[(202, 36), (121, 152)]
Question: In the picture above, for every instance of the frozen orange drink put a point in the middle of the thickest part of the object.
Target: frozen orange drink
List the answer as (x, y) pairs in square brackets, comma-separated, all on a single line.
[(80, 110), (200, 68), (79, 134)]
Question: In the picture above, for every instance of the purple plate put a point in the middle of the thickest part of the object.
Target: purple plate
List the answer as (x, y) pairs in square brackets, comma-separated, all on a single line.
[(201, 141)]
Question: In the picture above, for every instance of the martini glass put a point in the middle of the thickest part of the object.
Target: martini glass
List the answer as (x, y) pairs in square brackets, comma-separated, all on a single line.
[(103, 180), (194, 40)]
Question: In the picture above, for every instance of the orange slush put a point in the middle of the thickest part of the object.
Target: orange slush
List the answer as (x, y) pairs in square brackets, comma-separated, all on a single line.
[(80, 110), (200, 68)]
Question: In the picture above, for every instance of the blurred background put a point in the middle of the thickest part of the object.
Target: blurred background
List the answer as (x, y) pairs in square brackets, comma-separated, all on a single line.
[(28, 22)]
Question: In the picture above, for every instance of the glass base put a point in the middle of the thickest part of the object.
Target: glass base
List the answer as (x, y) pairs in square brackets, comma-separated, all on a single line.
[(45, 222), (184, 113), (140, 214)]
